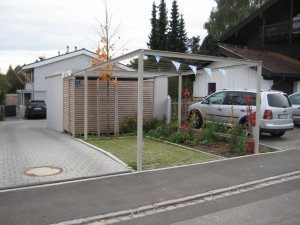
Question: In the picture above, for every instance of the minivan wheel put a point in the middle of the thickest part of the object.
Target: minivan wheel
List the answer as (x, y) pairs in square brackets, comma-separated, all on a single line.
[(197, 120), (278, 134)]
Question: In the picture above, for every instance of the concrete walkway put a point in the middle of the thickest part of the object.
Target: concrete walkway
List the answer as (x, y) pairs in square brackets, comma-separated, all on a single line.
[(27, 144)]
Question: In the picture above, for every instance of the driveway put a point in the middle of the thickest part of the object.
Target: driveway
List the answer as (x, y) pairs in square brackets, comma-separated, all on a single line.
[(32, 154), (290, 140)]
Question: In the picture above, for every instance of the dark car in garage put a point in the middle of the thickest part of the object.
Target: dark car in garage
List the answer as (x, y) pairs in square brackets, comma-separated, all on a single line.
[(36, 109)]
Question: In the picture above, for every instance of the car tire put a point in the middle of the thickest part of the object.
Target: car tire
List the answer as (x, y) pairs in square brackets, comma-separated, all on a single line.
[(245, 126), (278, 134), (198, 122)]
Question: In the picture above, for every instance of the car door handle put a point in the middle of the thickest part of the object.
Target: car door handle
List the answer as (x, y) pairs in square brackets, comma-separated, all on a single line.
[(219, 109), (243, 110)]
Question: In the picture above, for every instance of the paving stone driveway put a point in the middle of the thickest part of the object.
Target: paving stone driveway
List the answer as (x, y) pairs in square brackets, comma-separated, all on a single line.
[(26, 144)]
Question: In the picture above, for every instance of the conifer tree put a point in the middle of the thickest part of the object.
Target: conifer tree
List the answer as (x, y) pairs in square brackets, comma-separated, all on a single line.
[(182, 35), (162, 26), (153, 38), (173, 34)]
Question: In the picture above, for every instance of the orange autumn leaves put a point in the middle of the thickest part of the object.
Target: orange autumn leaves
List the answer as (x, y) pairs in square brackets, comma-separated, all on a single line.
[(103, 56)]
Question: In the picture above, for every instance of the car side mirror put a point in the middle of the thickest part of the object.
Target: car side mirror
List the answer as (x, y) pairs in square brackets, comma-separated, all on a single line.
[(205, 102)]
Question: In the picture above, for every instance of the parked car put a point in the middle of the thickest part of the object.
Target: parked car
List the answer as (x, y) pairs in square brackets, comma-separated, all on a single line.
[(36, 109), (295, 100), (275, 117)]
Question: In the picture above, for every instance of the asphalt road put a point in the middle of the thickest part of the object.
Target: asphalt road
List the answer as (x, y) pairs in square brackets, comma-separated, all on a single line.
[(273, 205)]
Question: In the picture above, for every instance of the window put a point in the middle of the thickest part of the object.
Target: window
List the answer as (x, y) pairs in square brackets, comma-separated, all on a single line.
[(211, 88), (295, 99), (217, 98), (278, 100)]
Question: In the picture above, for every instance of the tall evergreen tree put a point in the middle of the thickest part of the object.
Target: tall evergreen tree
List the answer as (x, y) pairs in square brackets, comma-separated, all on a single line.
[(182, 35), (173, 34), (162, 26), (194, 44), (153, 38)]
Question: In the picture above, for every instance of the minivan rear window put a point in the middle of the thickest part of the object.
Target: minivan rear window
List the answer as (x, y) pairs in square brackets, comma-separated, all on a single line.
[(278, 100)]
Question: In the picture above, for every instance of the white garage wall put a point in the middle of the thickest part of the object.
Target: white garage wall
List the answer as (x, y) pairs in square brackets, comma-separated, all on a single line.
[(234, 78), (54, 100), (160, 96)]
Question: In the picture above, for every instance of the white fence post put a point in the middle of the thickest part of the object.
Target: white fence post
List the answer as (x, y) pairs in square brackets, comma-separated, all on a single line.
[(168, 111)]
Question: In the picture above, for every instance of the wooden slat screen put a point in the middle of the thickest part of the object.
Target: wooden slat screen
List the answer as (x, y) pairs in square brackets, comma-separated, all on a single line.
[(127, 104)]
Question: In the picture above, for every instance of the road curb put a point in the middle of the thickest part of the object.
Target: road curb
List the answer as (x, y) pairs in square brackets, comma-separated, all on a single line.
[(180, 202)]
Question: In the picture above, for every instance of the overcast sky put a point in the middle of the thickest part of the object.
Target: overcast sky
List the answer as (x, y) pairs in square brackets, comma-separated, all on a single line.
[(33, 28)]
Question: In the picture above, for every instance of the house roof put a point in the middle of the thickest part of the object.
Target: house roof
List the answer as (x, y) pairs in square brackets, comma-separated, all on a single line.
[(251, 18), (59, 58), (274, 62)]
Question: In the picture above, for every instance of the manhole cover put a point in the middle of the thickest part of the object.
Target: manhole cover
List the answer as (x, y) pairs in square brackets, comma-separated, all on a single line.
[(43, 171)]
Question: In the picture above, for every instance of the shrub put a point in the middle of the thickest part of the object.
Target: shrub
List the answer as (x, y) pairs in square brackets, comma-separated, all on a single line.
[(179, 137), (208, 133), (155, 133), (237, 140), (151, 124), (130, 125)]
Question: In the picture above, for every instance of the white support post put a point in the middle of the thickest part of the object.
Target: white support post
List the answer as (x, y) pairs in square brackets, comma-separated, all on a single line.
[(73, 108), (116, 130), (140, 112), (85, 105), (179, 99), (168, 110), (98, 106), (257, 118)]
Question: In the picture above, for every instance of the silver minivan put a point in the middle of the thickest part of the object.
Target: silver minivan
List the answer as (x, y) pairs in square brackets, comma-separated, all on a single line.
[(227, 105), (295, 100)]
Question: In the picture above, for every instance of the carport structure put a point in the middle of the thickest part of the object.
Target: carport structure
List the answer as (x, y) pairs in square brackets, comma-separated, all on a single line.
[(151, 64)]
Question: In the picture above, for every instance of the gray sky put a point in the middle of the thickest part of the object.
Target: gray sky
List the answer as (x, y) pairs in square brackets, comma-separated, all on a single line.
[(33, 28)]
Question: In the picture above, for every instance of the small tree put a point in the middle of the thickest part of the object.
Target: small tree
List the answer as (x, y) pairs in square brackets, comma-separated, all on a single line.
[(104, 53)]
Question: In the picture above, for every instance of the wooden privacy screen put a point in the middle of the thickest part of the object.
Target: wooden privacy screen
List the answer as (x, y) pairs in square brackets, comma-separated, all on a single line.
[(127, 97)]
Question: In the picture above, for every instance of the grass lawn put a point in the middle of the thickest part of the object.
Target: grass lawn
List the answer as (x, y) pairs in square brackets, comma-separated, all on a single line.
[(156, 154)]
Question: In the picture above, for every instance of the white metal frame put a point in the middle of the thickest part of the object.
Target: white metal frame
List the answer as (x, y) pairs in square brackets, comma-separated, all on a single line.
[(141, 74)]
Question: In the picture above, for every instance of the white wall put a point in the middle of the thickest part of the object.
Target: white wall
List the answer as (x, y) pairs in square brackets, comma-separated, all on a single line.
[(54, 101), (296, 86), (40, 73), (234, 78), (160, 96)]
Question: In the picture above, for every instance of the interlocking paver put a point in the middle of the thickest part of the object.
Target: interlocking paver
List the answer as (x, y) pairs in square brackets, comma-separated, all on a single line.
[(25, 144)]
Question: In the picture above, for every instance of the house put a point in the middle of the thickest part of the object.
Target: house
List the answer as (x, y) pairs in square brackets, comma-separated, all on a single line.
[(270, 35), (36, 72)]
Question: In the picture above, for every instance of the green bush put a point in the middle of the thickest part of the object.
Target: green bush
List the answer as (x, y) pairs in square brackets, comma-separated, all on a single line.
[(155, 133), (151, 124), (208, 133), (237, 140), (130, 125), (179, 137)]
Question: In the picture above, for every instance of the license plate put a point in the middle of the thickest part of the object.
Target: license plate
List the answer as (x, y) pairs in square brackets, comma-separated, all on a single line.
[(38, 108), (283, 116)]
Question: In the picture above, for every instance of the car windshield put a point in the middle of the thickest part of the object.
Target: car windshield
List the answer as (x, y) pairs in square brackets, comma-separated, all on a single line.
[(295, 99), (278, 100), (37, 103)]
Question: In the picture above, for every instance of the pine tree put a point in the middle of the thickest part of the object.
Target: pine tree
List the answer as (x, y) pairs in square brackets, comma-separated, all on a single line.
[(182, 35), (162, 26), (153, 38), (173, 34)]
